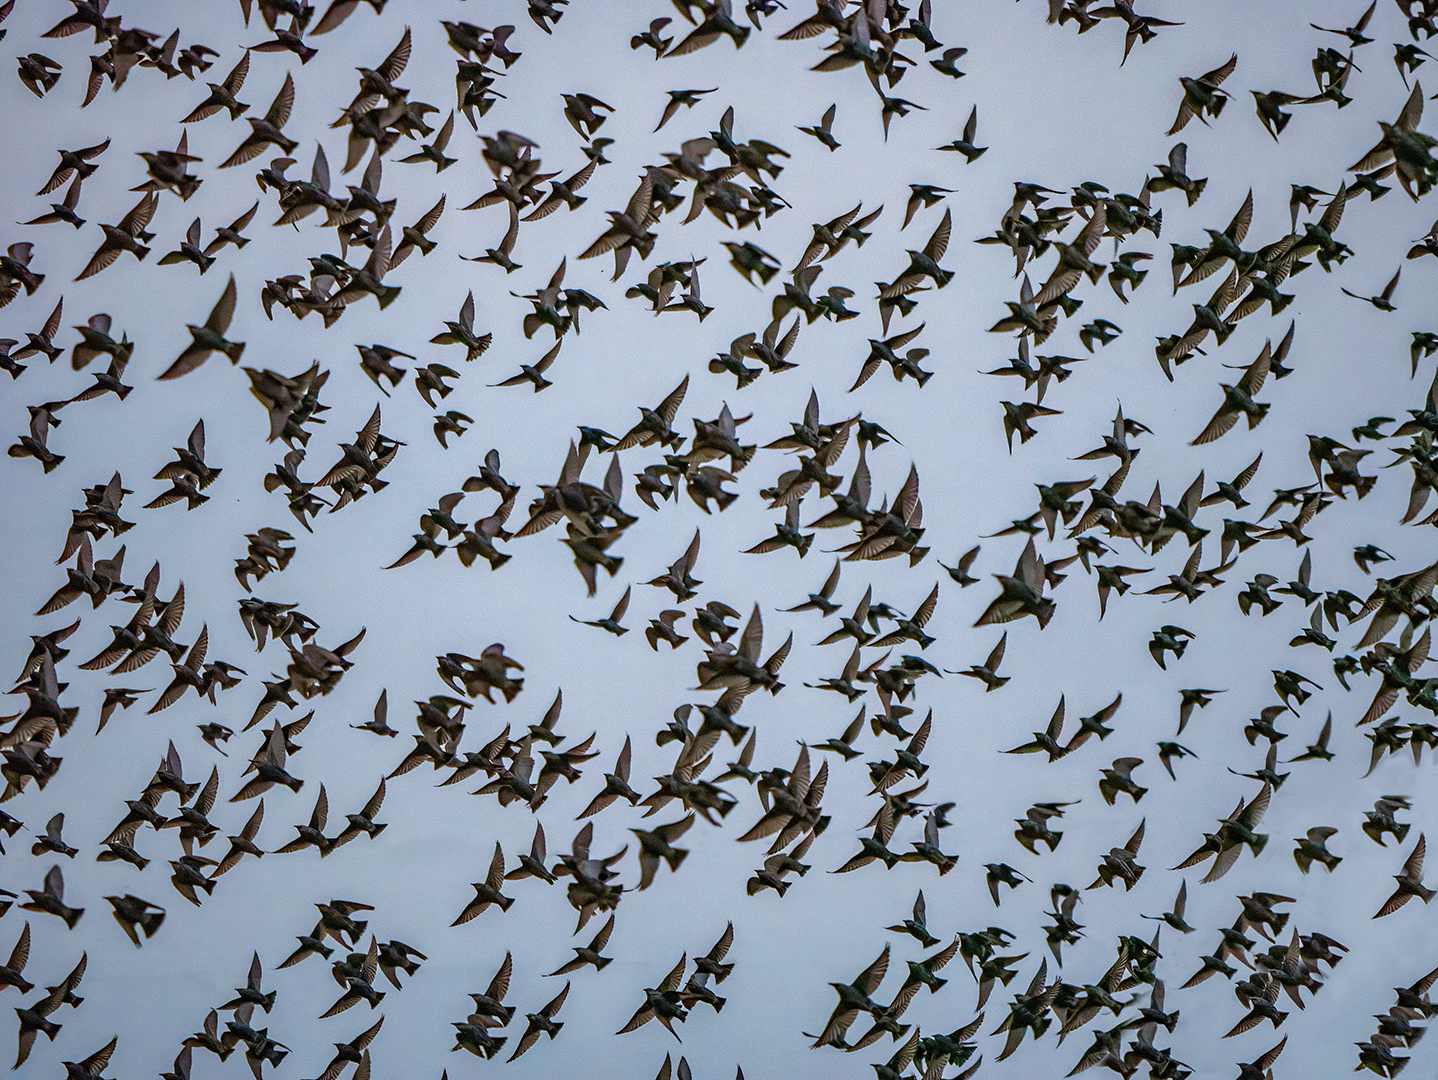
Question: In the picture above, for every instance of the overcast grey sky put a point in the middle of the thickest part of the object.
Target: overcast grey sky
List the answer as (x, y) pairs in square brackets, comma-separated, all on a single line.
[(1054, 108)]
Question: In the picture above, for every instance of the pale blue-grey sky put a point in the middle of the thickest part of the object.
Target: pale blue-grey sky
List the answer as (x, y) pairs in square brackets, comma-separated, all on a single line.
[(1054, 108)]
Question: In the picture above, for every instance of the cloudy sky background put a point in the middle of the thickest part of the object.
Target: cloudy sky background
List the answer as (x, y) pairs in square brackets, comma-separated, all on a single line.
[(1054, 109)]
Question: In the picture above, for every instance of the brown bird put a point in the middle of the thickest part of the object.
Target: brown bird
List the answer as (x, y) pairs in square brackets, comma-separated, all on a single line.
[(129, 235), (1202, 96), (488, 891), (266, 132), (223, 95), (1410, 881)]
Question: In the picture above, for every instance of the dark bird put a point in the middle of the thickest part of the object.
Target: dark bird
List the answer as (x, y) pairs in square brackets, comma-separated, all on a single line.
[(136, 916), (687, 98), (34, 1018), (591, 953), (1174, 917), (821, 131), (960, 570), (50, 900), (129, 235), (39, 73), (1311, 848), (663, 1002), (488, 891), (223, 95), (1410, 881), (12, 974), (656, 845), (854, 997), (1203, 96), (209, 338), (1384, 300), (1353, 33), (267, 131), (964, 144), (361, 822), (987, 672), (916, 926), (1121, 863), (542, 1022), (924, 264)]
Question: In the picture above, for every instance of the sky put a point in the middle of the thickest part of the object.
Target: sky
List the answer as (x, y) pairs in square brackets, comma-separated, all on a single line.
[(1054, 108)]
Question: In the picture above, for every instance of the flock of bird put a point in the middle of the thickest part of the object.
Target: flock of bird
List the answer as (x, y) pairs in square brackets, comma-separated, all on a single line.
[(1367, 623)]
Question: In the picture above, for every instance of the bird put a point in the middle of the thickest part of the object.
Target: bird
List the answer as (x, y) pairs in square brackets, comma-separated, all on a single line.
[(822, 130), (1354, 33), (361, 822), (1384, 300), (39, 73), (542, 1022), (854, 997), (93, 1066), (1046, 741), (687, 98), (50, 899), (1174, 917), (924, 264), (987, 672), (12, 974), (209, 338), (135, 916), (590, 954), (916, 926), (1238, 401), (34, 1019), (268, 130), (1311, 848), (656, 845), (1120, 863), (1203, 96), (960, 570), (488, 891), (1410, 881), (128, 235), (945, 65), (663, 1002), (964, 144), (534, 374)]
